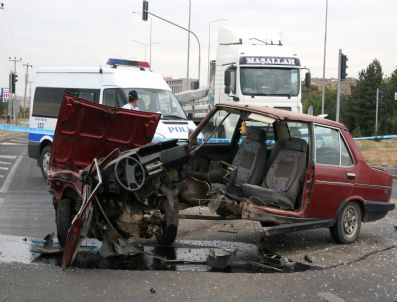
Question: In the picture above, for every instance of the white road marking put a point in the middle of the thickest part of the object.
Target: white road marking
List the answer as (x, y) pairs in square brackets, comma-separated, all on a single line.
[(4, 168), (8, 156), (11, 144), (330, 297), (7, 182), (5, 163)]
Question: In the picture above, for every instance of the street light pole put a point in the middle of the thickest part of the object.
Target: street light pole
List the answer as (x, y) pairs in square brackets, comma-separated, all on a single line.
[(324, 57), (181, 27), (188, 46), (209, 47)]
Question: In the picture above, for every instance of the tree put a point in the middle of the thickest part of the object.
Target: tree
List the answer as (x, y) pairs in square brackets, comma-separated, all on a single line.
[(314, 99), (362, 103)]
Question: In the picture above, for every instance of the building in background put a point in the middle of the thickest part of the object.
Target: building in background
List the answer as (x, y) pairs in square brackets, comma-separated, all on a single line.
[(179, 85)]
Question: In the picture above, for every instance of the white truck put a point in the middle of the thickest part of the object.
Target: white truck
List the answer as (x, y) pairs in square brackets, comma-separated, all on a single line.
[(252, 66)]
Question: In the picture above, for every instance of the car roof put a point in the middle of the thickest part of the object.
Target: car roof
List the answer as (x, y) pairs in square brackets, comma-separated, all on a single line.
[(282, 115)]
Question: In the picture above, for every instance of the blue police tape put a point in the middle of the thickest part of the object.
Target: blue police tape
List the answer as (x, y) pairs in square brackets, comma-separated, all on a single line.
[(26, 130), (377, 137), (212, 140)]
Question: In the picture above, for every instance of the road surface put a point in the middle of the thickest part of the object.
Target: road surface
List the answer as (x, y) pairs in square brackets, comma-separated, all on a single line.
[(363, 271)]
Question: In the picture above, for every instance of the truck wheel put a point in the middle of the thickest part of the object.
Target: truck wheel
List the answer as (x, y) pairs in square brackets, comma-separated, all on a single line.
[(348, 224), (44, 160), (168, 228), (64, 219)]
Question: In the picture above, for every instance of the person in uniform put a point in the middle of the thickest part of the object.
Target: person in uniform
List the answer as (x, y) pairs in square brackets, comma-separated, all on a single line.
[(132, 101)]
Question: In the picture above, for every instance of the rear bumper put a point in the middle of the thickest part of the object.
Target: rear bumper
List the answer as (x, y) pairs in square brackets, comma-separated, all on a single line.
[(374, 210), (34, 149)]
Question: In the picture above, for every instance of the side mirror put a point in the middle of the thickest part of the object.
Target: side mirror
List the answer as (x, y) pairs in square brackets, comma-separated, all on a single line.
[(227, 90), (308, 79)]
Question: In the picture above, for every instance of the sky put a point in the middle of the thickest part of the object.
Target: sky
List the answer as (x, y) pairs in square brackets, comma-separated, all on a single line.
[(58, 33)]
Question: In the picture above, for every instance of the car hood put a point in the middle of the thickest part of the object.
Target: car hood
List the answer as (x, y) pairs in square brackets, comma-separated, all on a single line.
[(86, 130)]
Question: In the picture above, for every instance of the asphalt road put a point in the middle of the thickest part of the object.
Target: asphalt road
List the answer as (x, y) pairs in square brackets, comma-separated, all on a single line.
[(363, 271)]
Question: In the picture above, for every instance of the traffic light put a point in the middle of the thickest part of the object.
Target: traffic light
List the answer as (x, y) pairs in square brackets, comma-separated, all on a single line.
[(343, 67), (13, 79), (145, 10)]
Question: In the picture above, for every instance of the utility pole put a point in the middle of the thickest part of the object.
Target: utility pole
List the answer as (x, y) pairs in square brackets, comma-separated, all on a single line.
[(13, 96), (27, 65), (377, 110), (30, 89)]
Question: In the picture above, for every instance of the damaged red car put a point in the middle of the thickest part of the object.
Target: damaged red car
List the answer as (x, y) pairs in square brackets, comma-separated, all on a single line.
[(288, 171)]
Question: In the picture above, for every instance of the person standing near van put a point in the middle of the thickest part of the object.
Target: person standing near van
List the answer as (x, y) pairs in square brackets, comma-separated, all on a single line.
[(132, 101)]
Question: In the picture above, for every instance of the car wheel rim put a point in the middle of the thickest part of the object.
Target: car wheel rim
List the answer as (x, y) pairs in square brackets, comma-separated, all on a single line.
[(46, 162), (350, 221)]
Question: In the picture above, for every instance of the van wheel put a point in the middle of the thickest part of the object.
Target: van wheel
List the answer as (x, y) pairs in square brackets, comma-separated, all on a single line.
[(348, 224), (168, 228), (44, 160), (64, 219)]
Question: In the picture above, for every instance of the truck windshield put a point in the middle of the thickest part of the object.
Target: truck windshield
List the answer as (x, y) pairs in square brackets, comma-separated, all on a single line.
[(269, 81), (150, 100)]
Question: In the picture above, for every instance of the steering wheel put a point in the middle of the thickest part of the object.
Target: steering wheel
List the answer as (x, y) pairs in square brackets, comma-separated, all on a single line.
[(133, 174)]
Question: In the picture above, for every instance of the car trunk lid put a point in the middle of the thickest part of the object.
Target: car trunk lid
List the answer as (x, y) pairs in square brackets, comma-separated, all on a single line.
[(86, 130)]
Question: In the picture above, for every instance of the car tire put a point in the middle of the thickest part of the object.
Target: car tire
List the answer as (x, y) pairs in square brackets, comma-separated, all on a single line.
[(169, 228), (64, 218), (348, 224), (44, 160)]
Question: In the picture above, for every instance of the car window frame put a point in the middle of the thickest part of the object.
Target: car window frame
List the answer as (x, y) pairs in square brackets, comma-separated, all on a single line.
[(341, 136)]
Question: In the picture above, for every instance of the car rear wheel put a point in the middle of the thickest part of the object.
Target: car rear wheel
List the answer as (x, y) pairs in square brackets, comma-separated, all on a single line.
[(64, 219), (44, 160), (168, 228), (348, 224)]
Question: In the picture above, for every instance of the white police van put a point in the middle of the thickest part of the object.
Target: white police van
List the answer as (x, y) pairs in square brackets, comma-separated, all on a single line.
[(108, 86)]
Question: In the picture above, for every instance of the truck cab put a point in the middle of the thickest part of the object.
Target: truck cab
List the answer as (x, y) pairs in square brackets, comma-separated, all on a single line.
[(253, 66)]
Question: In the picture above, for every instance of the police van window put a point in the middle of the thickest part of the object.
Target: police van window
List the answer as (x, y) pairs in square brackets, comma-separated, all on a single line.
[(47, 100), (114, 97), (86, 94)]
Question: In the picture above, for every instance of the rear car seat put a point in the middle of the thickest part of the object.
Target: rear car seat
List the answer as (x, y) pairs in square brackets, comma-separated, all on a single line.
[(285, 175)]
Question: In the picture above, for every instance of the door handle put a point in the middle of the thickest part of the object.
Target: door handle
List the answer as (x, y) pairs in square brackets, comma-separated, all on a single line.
[(351, 175)]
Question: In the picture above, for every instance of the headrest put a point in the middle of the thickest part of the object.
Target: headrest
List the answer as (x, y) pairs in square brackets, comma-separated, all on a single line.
[(295, 144), (256, 134)]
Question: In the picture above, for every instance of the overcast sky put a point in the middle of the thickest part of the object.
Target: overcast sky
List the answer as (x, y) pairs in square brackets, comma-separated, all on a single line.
[(85, 33)]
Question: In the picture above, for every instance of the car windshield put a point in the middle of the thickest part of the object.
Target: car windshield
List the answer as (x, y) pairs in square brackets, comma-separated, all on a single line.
[(159, 101), (269, 81)]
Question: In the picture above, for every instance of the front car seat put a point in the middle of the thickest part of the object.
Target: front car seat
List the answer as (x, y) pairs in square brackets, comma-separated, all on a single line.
[(284, 179)]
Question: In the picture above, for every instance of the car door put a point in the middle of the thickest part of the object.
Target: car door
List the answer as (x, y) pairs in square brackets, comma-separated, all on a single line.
[(334, 172)]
